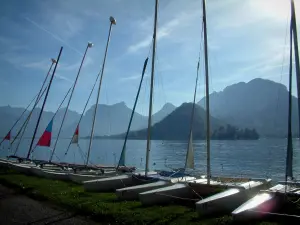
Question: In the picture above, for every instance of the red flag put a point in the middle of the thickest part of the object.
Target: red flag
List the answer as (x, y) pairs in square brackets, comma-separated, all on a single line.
[(7, 137), (45, 139)]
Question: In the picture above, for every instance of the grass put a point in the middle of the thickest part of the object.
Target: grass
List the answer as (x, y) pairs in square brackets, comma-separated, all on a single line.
[(104, 207)]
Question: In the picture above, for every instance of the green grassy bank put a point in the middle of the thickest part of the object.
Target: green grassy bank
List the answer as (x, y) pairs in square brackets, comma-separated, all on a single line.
[(104, 207)]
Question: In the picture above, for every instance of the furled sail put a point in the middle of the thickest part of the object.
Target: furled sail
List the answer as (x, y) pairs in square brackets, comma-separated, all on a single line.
[(190, 154)]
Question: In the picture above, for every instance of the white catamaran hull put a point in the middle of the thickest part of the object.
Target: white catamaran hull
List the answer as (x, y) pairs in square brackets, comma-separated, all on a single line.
[(265, 202), (49, 174), (80, 178), (231, 198), (168, 194), (112, 183), (132, 193)]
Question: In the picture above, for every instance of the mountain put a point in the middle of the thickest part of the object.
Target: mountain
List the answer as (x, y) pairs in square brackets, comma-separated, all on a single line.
[(111, 119), (11, 114), (260, 104), (167, 109), (176, 126)]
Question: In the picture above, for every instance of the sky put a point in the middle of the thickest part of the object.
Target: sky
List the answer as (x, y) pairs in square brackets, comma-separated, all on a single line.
[(247, 39)]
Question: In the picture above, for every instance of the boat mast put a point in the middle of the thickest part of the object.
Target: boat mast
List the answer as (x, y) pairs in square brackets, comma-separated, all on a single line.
[(289, 154), (294, 30), (122, 156), (89, 45), (60, 105), (39, 96), (20, 117), (151, 90), (45, 99), (88, 100), (207, 94), (112, 21)]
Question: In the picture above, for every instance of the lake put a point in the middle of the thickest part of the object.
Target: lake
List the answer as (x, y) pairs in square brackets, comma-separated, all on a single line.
[(261, 158)]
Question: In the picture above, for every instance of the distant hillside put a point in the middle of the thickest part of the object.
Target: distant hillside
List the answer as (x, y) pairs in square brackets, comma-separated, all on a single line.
[(260, 104), (111, 119), (167, 109), (176, 126)]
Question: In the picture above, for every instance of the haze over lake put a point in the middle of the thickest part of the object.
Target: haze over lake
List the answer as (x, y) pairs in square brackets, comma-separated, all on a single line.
[(261, 158)]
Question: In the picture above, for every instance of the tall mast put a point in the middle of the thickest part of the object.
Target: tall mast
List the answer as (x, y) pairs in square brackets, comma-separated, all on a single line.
[(207, 94), (122, 156), (39, 96), (294, 30), (289, 153), (151, 90), (60, 105), (20, 117), (88, 100), (89, 45), (112, 21), (45, 99)]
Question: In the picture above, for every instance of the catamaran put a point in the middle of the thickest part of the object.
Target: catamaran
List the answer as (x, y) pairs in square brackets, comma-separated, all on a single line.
[(164, 178), (205, 186), (280, 196), (25, 168), (12, 157), (57, 174), (145, 180), (121, 168)]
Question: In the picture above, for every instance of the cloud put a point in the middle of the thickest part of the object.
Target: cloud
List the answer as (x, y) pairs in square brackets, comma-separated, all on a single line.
[(133, 77), (12, 44), (56, 37), (41, 65), (239, 14), (60, 77), (173, 29), (75, 66)]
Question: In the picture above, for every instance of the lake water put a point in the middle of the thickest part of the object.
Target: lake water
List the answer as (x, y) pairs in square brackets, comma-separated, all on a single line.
[(262, 158)]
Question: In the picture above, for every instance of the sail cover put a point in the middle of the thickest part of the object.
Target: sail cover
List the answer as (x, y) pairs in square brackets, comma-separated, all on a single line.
[(190, 154), (45, 139)]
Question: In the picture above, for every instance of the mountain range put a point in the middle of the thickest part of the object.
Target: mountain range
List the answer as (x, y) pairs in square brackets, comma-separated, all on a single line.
[(260, 104), (111, 119)]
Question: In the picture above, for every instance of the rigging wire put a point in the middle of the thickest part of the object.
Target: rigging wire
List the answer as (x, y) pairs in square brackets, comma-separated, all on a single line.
[(36, 96), (84, 109), (278, 91), (56, 112)]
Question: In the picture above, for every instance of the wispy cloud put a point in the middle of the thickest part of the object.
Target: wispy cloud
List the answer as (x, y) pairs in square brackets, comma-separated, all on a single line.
[(75, 66), (12, 44), (41, 65), (60, 77), (133, 77), (164, 31), (56, 37), (233, 14)]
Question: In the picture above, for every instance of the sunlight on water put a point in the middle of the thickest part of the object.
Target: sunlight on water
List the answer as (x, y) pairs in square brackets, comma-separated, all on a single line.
[(262, 158)]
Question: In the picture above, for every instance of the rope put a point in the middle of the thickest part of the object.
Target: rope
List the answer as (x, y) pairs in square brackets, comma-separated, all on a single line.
[(195, 192), (176, 197)]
